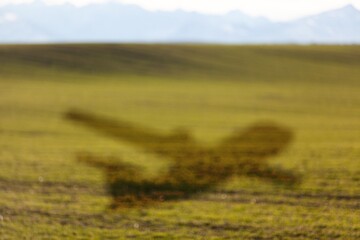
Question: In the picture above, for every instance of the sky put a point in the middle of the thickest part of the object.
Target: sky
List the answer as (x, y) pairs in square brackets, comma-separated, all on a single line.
[(277, 10)]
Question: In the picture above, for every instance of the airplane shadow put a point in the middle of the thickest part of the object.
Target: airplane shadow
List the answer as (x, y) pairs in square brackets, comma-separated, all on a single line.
[(193, 168)]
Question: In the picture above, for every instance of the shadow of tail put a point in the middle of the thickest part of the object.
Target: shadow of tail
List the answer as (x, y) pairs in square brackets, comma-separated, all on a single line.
[(128, 187)]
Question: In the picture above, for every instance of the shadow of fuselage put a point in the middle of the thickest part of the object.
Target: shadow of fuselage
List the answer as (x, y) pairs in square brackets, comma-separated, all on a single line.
[(193, 168)]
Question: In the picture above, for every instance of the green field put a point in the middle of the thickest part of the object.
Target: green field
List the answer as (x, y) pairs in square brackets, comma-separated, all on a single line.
[(209, 90)]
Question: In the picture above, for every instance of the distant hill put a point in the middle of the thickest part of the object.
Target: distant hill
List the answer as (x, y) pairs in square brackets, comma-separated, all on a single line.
[(337, 26), (115, 22)]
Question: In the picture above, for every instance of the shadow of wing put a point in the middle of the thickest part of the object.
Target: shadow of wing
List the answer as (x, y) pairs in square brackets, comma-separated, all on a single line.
[(257, 142), (150, 140), (251, 148)]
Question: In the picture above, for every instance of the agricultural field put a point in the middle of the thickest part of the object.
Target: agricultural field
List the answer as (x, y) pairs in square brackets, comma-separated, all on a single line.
[(211, 91)]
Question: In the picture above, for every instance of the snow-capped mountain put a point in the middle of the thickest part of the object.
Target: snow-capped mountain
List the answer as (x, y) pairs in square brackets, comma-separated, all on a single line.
[(337, 26), (115, 22)]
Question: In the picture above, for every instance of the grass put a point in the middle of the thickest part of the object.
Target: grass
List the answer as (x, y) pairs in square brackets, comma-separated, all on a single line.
[(192, 168), (209, 90)]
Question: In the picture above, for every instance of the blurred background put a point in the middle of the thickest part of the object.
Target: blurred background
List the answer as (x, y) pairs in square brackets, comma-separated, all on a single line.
[(215, 76), (229, 21)]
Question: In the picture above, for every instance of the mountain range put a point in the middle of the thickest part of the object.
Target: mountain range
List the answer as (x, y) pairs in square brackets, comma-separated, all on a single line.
[(38, 22)]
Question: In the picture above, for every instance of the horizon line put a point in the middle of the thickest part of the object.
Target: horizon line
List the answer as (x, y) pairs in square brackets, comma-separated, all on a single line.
[(195, 11)]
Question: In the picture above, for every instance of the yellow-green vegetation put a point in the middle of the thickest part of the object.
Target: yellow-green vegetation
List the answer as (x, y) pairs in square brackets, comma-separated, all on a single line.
[(211, 91), (192, 168)]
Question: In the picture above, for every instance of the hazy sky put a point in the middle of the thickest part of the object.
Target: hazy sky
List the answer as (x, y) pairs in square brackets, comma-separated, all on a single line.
[(273, 9)]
